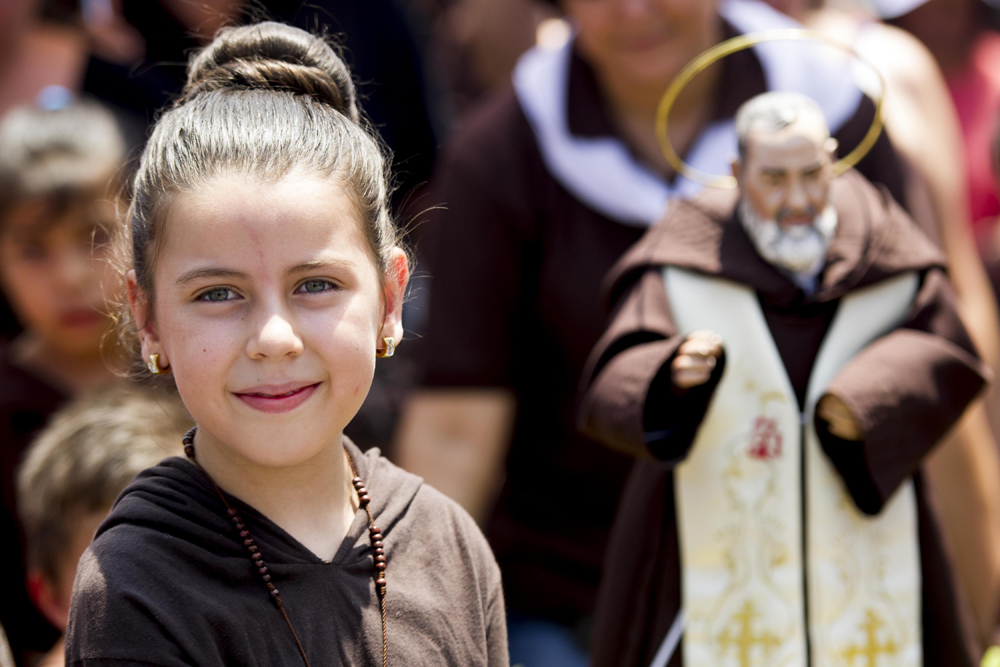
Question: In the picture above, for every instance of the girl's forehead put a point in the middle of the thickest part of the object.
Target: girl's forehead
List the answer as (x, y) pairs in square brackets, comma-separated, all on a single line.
[(242, 219)]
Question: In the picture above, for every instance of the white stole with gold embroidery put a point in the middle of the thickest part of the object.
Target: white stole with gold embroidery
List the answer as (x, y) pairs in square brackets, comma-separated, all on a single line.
[(749, 572)]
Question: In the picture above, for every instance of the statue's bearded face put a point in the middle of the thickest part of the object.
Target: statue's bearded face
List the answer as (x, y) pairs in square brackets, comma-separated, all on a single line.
[(785, 177)]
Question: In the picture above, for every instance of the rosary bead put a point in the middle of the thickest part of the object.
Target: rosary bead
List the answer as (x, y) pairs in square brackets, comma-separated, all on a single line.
[(374, 533)]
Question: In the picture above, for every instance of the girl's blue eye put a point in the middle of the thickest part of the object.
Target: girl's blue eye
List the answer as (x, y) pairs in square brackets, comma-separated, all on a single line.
[(218, 294), (312, 286)]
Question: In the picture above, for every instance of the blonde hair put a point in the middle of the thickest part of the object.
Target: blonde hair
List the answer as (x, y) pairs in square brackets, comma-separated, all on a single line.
[(261, 100), (57, 153), (87, 454)]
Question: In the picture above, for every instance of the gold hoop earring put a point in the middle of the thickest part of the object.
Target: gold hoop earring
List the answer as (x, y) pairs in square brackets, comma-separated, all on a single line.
[(388, 350), (154, 365)]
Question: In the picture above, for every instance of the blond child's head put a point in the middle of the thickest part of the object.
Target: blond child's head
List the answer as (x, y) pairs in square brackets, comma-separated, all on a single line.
[(58, 171), (76, 468)]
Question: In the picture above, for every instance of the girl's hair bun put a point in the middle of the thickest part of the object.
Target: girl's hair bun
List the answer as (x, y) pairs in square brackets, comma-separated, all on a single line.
[(273, 56)]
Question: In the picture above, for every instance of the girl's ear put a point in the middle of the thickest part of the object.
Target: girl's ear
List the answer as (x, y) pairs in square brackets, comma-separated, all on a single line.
[(397, 276), (138, 303)]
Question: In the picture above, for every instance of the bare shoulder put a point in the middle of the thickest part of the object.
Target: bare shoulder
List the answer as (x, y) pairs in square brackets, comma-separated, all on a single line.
[(903, 56)]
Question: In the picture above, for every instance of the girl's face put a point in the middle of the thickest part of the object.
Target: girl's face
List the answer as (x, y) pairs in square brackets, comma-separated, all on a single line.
[(268, 309), (53, 270)]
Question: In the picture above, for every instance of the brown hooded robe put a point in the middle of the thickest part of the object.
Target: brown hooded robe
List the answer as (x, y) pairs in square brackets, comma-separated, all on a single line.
[(906, 389)]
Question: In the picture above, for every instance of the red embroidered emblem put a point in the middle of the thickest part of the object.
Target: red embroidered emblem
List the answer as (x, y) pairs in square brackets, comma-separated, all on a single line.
[(766, 441)]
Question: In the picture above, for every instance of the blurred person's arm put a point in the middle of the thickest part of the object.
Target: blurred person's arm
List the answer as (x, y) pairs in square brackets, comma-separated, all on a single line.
[(457, 441), (965, 470), (923, 125), (480, 247)]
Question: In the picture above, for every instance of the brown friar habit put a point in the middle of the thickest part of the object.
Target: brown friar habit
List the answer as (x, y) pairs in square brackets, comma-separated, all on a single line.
[(168, 582), (906, 389)]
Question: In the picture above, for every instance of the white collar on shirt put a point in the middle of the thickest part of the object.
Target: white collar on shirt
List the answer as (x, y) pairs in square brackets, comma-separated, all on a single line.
[(602, 173)]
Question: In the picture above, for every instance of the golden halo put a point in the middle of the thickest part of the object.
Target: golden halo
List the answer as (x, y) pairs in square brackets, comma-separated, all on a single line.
[(740, 43)]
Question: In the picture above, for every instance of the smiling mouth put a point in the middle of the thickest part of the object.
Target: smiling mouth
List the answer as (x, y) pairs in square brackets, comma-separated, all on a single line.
[(277, 402)]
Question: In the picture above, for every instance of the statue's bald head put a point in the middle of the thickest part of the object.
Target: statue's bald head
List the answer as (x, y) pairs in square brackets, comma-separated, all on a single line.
[(779, 112), (785, 165)]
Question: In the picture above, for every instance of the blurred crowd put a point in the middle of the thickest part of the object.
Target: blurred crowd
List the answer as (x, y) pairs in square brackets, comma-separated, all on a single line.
[(498, 163)]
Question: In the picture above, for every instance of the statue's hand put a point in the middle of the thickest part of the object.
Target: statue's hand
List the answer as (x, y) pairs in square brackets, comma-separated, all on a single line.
[(696, 359), (838, 418)]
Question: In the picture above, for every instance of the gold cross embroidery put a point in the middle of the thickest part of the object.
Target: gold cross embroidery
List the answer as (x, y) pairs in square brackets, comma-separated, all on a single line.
[(872, 649), (744, 640)]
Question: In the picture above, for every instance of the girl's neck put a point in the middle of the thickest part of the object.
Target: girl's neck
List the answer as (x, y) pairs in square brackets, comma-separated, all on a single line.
[(314, 501), (72, 374)]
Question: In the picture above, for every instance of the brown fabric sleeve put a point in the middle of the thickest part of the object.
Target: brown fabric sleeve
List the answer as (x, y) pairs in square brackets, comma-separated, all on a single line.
[(631, 403), (905, 390), (478, 247)]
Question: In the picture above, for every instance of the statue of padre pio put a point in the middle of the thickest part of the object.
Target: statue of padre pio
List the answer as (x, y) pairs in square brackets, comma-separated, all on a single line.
[(782, 357)]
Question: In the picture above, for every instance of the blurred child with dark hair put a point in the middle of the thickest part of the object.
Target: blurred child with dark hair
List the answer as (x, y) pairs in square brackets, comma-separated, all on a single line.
[(73, 473), (59, 163)]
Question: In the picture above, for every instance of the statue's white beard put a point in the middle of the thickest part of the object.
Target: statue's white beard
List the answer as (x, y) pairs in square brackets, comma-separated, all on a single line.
[(799, 249)]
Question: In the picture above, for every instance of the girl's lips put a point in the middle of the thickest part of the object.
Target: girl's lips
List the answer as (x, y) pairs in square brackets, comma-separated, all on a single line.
[(278, 403)]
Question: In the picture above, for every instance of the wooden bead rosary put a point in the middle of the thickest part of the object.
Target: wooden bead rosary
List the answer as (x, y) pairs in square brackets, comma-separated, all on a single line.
[(374, 535)]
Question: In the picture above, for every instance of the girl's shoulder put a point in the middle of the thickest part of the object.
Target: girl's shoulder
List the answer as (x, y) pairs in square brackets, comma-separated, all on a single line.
[(422, 522), (165, 525)]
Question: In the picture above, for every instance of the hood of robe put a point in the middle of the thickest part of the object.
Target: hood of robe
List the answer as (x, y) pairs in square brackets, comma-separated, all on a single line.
[(177, 499), (875, 239)]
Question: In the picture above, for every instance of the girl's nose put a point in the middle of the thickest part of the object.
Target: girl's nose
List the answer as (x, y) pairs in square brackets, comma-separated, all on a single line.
[(275, 339)]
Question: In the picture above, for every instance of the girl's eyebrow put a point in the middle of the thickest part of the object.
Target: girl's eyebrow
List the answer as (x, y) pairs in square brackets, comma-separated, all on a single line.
[(218, 272), (322, 264), (209, 272)]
